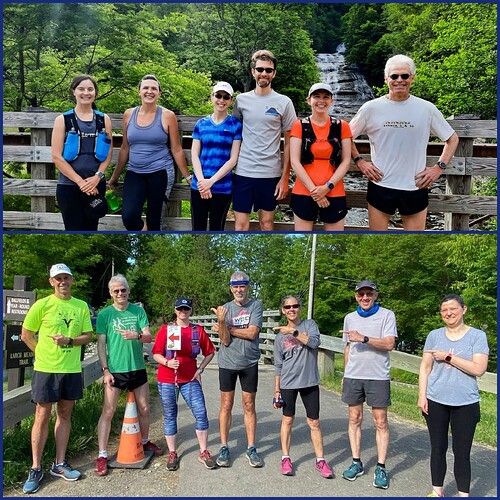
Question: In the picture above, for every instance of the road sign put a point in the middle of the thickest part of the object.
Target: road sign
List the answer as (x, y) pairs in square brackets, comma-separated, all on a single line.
[(18, 354), (16, 304)]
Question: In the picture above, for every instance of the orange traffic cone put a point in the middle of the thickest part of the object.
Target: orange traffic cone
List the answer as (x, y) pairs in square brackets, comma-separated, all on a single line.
[(130, 450)]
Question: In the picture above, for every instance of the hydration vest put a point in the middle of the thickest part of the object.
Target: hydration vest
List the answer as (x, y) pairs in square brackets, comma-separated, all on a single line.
[(73, 140), (309, 138), (195, 343)]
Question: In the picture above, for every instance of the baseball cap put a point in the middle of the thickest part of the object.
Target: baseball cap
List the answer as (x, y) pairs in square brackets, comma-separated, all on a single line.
[(183, 302), (59, 269), (226, 87), (366, 284), (320, 86)]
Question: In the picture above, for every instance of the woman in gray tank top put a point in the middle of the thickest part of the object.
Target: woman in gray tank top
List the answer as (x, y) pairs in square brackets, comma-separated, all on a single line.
[(151, 143)]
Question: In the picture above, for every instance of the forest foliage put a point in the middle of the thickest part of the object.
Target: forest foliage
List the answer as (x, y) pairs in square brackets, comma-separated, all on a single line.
[(413, 272), (191, 45)]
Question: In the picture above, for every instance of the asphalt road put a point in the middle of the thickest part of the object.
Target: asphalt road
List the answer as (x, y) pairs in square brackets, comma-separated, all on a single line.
[(408, 458)]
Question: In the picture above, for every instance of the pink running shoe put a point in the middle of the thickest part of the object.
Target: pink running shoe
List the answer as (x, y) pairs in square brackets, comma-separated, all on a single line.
[(324, 469), (286, 467)]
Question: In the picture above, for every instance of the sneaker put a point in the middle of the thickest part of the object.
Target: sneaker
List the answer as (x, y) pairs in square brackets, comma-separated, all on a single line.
[(206, 459), (381, 478), (33, 482), (65, 471), (101, 466), (223, 458), (286, 467), (150, 446), (324, 469), (173, 461), (435, 494), (253, 459), (353, 471)]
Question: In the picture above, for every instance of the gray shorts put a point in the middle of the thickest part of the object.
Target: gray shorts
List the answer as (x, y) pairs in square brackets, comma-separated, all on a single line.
[(376, 393)]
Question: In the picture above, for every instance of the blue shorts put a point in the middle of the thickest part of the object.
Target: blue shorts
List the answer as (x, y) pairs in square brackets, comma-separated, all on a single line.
[(387, 200), (306, 208), (252, 194)]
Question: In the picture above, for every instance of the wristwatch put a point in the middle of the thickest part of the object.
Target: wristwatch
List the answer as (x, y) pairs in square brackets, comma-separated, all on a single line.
[(295, 333), (365, 339), (441, 165), (100, 175), (358, 158), (330, 185), (70, 341), (448, 358), (139, 336)]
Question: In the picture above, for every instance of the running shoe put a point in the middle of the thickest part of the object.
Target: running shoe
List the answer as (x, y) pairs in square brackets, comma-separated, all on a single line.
[(353, 471), (223, 458), (253, 459), (324, 469), (33, 482), (101, 466), (65, 471), (173, 461), (381, 478), (286, 467), (150, 446), (206, 459)]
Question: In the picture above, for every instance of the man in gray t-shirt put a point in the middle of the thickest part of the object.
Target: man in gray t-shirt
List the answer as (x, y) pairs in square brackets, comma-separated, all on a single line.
[(238, 326), (261, 175), (369, 334)]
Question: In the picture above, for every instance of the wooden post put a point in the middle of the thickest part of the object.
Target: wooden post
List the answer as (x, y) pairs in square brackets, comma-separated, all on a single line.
[(42, 171), (460, 184), (326, 361)]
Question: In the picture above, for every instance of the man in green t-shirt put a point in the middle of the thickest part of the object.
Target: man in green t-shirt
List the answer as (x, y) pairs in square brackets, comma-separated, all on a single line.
[(122, 329), (63, 325)]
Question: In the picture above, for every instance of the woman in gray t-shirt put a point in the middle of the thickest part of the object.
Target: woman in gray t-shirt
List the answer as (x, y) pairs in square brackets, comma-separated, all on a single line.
[(448, 394)]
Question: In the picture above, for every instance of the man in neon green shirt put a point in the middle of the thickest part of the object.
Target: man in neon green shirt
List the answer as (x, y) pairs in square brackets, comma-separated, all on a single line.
[(63, 326), (122, 329)]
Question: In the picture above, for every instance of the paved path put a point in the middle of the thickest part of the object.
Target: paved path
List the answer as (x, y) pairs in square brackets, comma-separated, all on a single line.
[(408, 460)]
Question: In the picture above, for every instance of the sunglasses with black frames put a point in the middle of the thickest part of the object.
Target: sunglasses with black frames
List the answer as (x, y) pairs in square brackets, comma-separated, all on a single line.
[(262, 70), (291, 306), (226, 97), (404, 76)]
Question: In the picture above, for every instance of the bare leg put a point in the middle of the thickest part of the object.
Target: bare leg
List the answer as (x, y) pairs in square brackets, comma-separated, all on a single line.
[(377, 220), (334, 226), (266, 220), (171, 442), (301, 224), (225, 415), (104, 425), (241, 221), (355, 420), (316, 437), (202, 439), (249, 416), (142, 399), (415, 222), (39, 432), (62, 428), (286, 434), (381, 433)]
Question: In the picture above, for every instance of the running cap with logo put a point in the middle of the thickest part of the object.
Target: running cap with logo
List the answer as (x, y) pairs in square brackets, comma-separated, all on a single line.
[(183, 302), (226, 87), (59, 269), (366, 284), (320, 86)]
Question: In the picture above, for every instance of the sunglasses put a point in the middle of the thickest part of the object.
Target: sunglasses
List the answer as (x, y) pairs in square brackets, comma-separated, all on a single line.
[(266, 70), (183, 308), (362, 294), (404, 76), (119, 290), (226, 97), (291, 306)]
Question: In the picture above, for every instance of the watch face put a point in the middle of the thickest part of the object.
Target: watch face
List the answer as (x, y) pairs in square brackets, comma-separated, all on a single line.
[(441, 165)]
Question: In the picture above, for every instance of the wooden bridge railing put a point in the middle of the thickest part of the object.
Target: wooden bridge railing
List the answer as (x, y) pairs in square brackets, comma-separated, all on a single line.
[(17, 404), (457, 203)]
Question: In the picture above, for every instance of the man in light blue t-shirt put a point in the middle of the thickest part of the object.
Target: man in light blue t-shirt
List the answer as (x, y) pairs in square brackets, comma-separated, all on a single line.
[(262, 175), (369, 334)]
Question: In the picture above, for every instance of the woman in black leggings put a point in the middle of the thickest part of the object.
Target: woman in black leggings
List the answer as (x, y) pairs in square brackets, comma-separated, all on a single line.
[(454, 355)]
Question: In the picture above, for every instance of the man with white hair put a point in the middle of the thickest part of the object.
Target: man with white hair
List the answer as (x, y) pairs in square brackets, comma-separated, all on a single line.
[(122, 328), (398, 126), (63, 325), (239, 324)]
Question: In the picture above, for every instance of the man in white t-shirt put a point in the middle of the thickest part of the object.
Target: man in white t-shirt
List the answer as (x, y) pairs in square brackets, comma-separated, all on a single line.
[(398, 126), (369, 334)]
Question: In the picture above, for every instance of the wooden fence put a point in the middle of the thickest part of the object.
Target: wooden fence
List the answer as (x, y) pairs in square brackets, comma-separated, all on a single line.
[(17, 404), (457, 203)]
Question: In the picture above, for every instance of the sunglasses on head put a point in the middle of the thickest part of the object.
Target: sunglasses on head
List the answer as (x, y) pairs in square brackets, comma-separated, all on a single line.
[(119, 290), (291, 306), (404, 76), (226, 97), (262, 70)]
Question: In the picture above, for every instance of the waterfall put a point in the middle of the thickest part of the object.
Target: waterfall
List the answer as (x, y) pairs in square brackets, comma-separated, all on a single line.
[(349, 85)]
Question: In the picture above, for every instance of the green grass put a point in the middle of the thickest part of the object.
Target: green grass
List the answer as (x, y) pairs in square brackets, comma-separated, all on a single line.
[(404, 396), (17, 440)]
